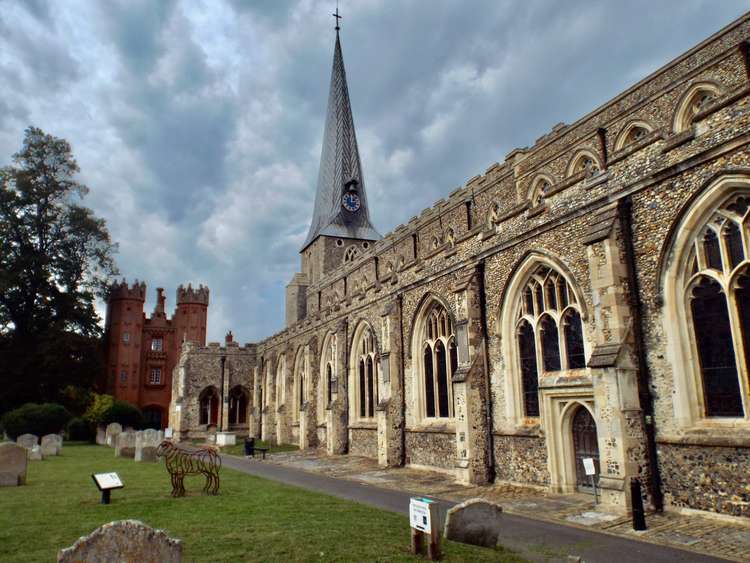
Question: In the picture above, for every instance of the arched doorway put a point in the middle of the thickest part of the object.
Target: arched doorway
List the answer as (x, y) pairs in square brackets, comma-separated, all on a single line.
[(585, 445), (152, 417), (237, 406), (209, 407)]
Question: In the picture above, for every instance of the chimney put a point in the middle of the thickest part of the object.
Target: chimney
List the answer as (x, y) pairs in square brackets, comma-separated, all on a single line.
[(229, 338), (160, 299)]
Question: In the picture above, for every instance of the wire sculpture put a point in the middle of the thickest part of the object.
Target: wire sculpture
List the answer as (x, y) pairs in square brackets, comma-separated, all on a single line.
[(181, 461)]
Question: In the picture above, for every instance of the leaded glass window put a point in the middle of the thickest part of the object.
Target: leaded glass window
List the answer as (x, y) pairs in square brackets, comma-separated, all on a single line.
[(439, 363)]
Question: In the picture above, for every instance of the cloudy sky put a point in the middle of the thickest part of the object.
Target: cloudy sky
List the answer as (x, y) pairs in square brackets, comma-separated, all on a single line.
[(197, 124)]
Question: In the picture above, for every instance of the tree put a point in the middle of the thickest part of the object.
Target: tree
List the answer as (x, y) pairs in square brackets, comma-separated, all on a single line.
[(55, 258)]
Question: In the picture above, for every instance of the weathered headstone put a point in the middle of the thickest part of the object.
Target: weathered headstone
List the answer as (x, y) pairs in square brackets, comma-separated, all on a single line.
[(51, 445), (475, 521), (146, 442), (35, 454), (110, 434), (28, 441), (125, 445), (101, 435), (124, 540), (13, 465)]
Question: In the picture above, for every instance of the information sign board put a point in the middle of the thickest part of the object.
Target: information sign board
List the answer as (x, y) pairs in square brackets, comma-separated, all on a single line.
[(419, 514), (168, 433), (106, 481), (588, 465)]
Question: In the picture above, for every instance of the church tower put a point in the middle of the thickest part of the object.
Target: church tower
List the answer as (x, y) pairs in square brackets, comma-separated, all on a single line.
[(340, 228)]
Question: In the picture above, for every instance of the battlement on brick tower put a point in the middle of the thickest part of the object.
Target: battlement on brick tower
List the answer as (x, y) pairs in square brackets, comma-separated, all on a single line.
[(121, 290), (191, 315)]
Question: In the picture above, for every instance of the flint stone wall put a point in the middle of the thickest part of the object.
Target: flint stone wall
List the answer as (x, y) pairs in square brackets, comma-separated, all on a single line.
[(364, 442), (437, 449), (521, 459), (13, 465), (124, 540)]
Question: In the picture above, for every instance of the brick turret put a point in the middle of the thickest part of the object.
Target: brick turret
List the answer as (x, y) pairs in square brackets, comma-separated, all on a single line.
[(191, 315)]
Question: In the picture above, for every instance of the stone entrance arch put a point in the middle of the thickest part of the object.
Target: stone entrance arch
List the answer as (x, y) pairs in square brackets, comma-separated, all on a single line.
[(585, 445)]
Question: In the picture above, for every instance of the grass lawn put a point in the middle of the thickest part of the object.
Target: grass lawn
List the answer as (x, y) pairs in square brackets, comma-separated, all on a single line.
[(239, 447), (251, 520)]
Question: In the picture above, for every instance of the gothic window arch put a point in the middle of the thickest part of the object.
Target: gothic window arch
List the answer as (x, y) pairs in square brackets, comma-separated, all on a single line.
[(541, 322), (632, 133), (301, 383), (327, 375), (280, 380), (584, 161), (208, 406), (435, 358), (238, 399), (695, 99), (364, 374), (707, 293), (350, 254), (539, 188)]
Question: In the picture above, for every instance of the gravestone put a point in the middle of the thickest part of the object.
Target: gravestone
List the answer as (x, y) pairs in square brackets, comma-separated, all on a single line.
[(146, 442), (110, 434), (125, 445), (28, 441), (13, 465), (124, 540), (51, 445), (101, 435), (35, 454), (475, 521)]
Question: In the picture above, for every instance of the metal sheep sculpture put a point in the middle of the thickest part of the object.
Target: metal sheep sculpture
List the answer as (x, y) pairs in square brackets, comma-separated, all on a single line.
[(181, 461)]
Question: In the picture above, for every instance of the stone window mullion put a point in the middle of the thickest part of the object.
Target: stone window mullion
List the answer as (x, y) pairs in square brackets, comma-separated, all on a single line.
[(740, 353)]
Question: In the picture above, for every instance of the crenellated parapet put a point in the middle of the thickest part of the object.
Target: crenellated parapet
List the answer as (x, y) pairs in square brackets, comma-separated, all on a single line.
[(121, 290), (189, 294)]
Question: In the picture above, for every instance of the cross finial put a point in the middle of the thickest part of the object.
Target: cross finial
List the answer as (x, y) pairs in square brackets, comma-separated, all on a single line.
[(337, 16)]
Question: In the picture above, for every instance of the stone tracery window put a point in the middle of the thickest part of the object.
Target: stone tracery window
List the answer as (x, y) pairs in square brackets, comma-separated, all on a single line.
[(350, 254), (208, 406), (280, 380), (327, 376), (439, 363), (539, 189), (717, 283), (584, 161), (300, 382), (631, 134), (549, 332), (238, 398), (366, 374), (696, 99)]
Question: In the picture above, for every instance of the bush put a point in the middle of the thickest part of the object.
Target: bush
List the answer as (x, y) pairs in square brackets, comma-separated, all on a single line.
[(98, 407), (125, 414), (79, 429), (38, 419)]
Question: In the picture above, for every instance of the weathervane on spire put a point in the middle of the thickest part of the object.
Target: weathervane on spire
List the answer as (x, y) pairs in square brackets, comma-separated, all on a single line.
[(337, 16)]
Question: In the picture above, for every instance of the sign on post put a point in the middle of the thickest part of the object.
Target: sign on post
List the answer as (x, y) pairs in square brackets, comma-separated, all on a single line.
[(590, 468), (423, 520), (106, 482), (168, 433)]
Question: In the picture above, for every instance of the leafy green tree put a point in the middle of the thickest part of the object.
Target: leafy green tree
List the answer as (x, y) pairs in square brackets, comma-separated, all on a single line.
[(55, 258)]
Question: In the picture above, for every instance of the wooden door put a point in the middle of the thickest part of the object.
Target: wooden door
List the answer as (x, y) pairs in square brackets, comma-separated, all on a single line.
[(585, 444)]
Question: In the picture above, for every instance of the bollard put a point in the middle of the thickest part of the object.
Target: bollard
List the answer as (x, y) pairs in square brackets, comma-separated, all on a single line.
[(636, 503)]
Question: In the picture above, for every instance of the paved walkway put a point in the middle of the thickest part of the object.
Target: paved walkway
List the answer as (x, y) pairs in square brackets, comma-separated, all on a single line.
[(595, 536)]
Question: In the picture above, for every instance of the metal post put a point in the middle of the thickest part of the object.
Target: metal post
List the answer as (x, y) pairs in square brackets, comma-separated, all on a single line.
[(596, 493), (106, 496), (221, 397)]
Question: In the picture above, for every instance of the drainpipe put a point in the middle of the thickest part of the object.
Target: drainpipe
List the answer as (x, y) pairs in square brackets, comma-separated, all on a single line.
[(645, 396), (488, 393)]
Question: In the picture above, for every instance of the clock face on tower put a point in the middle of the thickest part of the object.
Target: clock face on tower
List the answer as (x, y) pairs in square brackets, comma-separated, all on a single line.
[(350, 202)]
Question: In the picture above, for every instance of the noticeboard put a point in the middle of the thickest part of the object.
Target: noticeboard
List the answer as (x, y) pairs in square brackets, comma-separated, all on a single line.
[(107, 481), (588, 465), (420, 516)]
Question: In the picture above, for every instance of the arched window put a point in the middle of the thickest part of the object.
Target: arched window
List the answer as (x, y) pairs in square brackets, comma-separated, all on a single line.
[(208, 406), (696, 98), (366, 376), (717, 296), (439, 362), (350, 254), (300, 382), (632, 133), (584, 161), (238, 405), (539, 188), (549, 332), (280, 380), (327, 375)]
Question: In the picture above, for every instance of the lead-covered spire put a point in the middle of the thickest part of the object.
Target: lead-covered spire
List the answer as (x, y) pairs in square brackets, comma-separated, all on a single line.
[(340, 201)]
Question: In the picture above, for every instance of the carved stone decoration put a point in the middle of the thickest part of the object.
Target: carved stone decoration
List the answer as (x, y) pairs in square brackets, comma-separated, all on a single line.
[(124, 540)]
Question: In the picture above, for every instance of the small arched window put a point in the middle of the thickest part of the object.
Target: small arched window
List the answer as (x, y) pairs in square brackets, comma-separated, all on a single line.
[(584, 161), (350, 254), (695, 99), (300, 382), (208, 406), (549, 332), (366, 382), (539, 188), (327, 375), (440, 362), (631, 134), (718, 300), (280, 380)]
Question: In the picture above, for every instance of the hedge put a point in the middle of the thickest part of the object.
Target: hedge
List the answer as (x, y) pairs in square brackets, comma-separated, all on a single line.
[(38, 419)]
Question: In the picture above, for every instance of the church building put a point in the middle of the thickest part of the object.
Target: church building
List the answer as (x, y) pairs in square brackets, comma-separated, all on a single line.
[(587, 297)]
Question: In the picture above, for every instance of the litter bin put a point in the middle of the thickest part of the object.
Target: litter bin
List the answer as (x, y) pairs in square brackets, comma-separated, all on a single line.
[(249, 446)]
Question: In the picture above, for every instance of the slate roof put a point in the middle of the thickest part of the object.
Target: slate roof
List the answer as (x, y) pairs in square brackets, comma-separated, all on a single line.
[(339, 163)]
